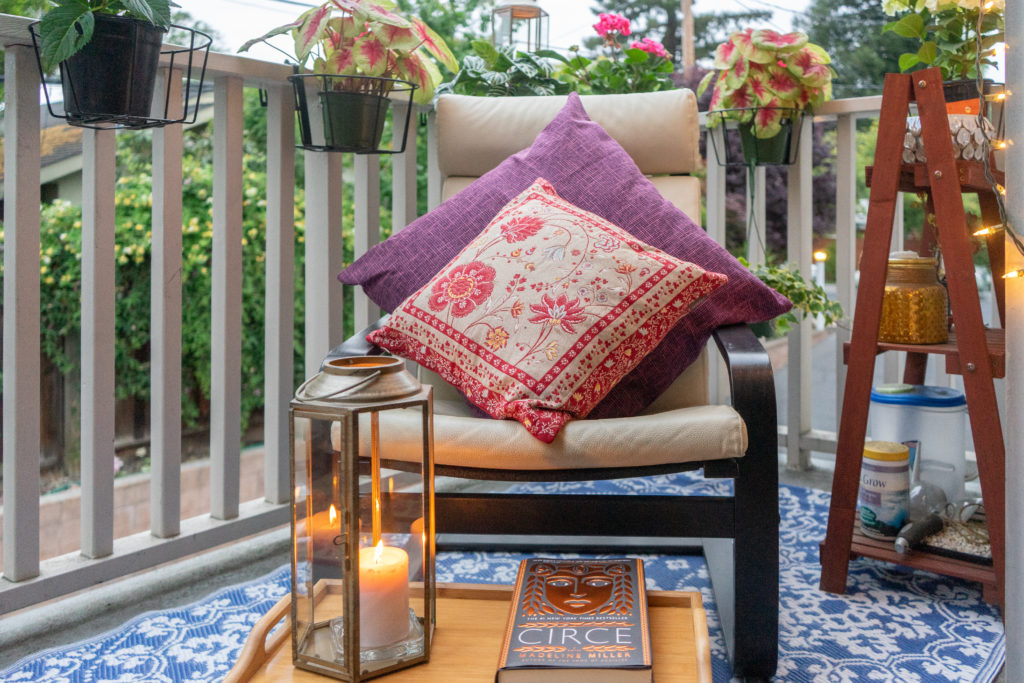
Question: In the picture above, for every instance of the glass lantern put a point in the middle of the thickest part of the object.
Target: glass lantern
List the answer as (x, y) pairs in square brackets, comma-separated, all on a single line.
[(363, 597), (522, 24)]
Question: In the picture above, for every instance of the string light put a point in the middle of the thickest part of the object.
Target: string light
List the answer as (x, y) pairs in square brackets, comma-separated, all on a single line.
[(989, 230), (999, 97)]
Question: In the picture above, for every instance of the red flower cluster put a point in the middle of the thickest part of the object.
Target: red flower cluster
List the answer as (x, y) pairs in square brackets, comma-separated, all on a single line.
[(611, 23), (651, 46)]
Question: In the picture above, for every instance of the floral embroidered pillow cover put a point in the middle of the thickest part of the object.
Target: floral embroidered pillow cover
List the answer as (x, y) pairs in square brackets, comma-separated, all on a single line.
[(543, 312)]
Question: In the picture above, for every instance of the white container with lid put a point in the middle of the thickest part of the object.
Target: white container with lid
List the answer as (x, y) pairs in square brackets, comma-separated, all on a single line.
[(930, 420)]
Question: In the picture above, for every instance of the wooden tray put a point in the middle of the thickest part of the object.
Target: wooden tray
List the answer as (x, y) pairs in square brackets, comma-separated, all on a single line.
[(470, 624)]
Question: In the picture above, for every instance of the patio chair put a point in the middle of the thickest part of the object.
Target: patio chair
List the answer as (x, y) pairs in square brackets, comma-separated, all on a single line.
[(737, 534)]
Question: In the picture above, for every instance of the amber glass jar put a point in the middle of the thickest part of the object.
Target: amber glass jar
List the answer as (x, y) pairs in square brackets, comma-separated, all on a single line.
[(914, 310)]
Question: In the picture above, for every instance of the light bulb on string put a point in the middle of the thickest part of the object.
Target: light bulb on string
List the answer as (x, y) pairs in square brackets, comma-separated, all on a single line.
[(988, 230)]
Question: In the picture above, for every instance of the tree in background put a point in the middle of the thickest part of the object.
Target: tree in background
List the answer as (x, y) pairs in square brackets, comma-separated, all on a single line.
[(852, 30)]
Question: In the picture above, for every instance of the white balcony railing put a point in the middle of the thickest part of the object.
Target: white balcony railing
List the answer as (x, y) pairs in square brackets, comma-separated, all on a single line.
[(27, 580)]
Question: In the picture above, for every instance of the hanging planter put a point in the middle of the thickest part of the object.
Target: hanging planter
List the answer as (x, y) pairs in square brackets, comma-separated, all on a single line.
[(111, 80), (741, 144), (364, 59), (353, 110), (763, 82)]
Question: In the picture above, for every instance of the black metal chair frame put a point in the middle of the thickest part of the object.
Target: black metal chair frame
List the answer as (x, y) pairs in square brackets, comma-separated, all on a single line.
[(738, 534)]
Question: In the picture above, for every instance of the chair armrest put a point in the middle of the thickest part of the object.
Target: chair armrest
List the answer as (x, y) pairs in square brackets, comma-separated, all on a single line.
[(752, 386), (356, 345)]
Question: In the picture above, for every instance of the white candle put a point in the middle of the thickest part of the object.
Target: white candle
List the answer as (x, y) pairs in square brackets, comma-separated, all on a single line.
[(383, 595)]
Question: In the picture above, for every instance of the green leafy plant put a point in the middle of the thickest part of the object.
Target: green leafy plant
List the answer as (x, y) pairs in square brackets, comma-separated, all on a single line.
[(644, 66), (503, 71), (68, 26), (809, 298), (954, 35), (366, 38), (763, 77)]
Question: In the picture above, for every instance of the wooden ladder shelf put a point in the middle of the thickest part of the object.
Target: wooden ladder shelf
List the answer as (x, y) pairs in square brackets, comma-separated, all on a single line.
[(973, 351)]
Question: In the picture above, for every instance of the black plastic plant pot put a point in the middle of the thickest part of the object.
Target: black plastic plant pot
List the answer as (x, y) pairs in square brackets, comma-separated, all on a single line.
[(737, 145), (354, 121), (114, 75), (355, 111)]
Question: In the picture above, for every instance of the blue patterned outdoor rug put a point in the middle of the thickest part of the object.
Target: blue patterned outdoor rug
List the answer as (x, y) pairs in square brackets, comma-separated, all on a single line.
[(892, 625)]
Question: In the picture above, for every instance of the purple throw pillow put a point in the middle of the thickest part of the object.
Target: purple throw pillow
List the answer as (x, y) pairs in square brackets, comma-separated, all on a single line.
[(588, 168)]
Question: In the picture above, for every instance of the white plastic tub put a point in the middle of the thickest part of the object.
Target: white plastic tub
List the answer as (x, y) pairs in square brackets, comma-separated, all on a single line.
[(930, 420)]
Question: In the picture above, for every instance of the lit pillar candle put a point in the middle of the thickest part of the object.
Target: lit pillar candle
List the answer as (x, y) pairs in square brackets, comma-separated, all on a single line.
[(383, 595)]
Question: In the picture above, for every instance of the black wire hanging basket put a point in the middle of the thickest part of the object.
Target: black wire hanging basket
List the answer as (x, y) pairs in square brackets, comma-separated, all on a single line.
[(110, 83), (739, 146), (354, 111)]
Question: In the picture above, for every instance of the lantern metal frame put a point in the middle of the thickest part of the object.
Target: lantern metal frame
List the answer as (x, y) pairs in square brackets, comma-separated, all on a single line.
[(516, 13), (344, 406)]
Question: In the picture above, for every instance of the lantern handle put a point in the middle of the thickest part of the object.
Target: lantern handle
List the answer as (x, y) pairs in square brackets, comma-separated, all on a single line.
[(300, 393)]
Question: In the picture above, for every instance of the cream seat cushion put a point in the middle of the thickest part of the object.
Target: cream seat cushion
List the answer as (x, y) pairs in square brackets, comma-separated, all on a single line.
[(679, 426)]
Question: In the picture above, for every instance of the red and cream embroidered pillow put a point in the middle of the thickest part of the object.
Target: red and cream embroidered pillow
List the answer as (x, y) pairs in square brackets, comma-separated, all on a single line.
[(541, 314)]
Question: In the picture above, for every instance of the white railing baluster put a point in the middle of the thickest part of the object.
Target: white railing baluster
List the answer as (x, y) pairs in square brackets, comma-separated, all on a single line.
[(21, 314), (279, 328), (226, 311), (403, 174), (433, 169), (366, 226), (165, 321), (846, 242), (800, 234), (757, 242), (98, 342), (324, 313), (718, 384)]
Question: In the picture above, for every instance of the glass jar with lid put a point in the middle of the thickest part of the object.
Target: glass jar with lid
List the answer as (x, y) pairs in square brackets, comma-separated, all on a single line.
[(915, 306)]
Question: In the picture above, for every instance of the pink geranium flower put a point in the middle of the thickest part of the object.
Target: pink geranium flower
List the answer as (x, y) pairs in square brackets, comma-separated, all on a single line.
[(611, 23), (464, 287), (651, 46)]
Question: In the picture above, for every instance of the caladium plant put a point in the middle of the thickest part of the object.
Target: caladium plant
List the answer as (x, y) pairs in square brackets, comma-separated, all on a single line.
[(68, 26), (763, 76), (366, 38)]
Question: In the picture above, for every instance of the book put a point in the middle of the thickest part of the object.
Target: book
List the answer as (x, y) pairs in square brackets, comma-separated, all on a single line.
[(577, 620)]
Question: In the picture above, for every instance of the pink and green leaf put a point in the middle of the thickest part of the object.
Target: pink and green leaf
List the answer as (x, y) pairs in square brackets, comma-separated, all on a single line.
[(768, 121), (435, 45), (422, 72), (744, 43), (783, 84), (726, 55), (312, 30), (778, 43), (736, 76), (396, 37), (370, 55), (378, 11)]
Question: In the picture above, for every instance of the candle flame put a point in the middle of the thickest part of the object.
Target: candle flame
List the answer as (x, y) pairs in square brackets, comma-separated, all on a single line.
[(332, 514), (378, 551), (391, 484)]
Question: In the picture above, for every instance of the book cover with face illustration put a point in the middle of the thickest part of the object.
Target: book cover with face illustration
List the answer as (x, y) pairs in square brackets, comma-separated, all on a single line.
[(577, 614)]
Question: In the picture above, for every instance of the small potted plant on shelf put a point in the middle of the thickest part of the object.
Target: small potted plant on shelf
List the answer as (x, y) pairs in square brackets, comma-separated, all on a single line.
[(765, 81), (108, 53), (955, 35), (361, 52)]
